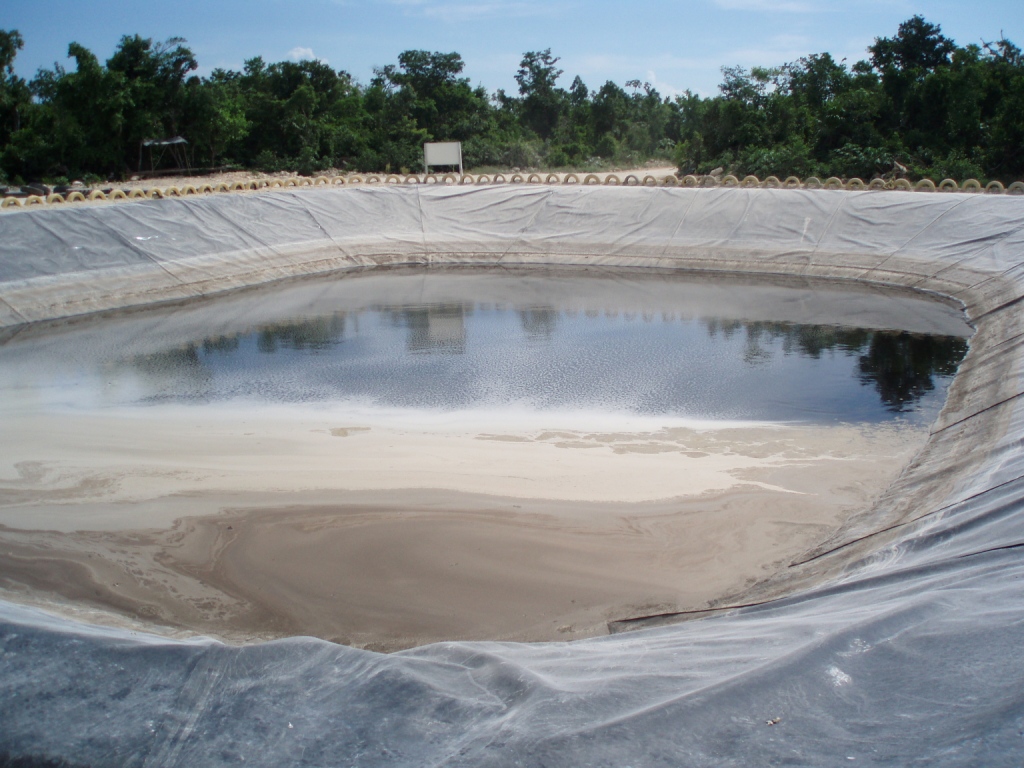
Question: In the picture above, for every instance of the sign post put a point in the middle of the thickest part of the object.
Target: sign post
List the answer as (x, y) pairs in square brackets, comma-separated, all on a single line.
[(442, 153)]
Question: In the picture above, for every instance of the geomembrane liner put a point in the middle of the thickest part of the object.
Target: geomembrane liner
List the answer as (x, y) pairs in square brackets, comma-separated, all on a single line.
[(895, 643)]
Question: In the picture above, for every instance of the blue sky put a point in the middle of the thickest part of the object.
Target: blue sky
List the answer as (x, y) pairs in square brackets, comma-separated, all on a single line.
[(673, 44)]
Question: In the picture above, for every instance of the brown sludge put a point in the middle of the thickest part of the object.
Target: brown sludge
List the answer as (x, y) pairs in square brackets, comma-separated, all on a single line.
[(395, 568)]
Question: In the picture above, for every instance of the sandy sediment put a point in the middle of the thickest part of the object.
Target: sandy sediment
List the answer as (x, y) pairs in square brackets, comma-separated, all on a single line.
[(250, 525)]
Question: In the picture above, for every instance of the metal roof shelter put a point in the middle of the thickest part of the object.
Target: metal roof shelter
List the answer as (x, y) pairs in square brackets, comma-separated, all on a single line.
[(173, 143)]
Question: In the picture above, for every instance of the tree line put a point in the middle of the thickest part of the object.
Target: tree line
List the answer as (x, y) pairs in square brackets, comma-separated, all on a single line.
[(919, 105)]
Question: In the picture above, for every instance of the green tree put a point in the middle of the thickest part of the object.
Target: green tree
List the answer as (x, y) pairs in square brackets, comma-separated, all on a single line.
[(15, 100), (441, 103), (15, 96), (82, 117), (937, 108), (1003, 109), (215, 115), (152, 77), (903, 61), (542, 102), (96, 117), (302, 115)]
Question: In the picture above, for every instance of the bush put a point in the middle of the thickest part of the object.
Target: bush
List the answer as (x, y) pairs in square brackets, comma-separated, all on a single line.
[(577, 151), (607, 147), (726, 161), (630, 158), (309, 163), (956, 165), (638, 138), (689, 154), (782, 160), (478, 151), (367, 161), (853, 160), (268, 162), (558, 158), (394, 154), (521, 154)]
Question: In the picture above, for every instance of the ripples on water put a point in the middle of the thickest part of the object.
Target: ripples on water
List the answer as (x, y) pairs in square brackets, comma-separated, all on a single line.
[(680, 346)]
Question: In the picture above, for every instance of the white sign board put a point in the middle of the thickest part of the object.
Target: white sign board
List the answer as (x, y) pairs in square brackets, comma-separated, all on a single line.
[(442, 153)]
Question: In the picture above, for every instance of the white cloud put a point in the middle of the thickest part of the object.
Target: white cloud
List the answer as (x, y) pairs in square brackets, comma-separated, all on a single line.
[(301, 53), (665, 89)]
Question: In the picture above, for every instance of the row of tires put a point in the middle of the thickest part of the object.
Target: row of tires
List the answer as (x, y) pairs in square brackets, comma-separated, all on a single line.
[(631, 180)]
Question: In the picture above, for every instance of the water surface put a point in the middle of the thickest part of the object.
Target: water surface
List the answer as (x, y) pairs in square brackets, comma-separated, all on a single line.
[(647, 344)]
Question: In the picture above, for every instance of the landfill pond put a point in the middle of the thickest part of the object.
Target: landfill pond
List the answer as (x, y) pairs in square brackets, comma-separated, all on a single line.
[(409, 456), (512, 476)]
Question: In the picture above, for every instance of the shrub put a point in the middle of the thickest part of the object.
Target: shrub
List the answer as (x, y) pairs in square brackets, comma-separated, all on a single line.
[(956, 165), (607, 147), (790, 159), (309, 163), (521, 154), (268, 162), (478, 151), (558, 158), (638, 138), (689, 154), (577, 151), (367, 161), (853, 160)]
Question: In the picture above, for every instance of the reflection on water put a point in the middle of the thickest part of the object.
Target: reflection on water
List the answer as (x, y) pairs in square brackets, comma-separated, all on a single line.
[(902, 367), (539, 323), (437, 328), (316, 333), (453, 355)]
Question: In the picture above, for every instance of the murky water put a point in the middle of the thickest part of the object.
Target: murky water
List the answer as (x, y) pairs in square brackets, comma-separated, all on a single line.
[(644, 344)]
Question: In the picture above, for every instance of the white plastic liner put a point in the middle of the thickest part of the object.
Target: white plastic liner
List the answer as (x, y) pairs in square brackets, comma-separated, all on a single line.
[(909, 653)]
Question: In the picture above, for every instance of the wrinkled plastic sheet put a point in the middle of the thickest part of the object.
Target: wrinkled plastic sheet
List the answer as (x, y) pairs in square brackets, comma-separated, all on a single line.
[(909, 653)]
